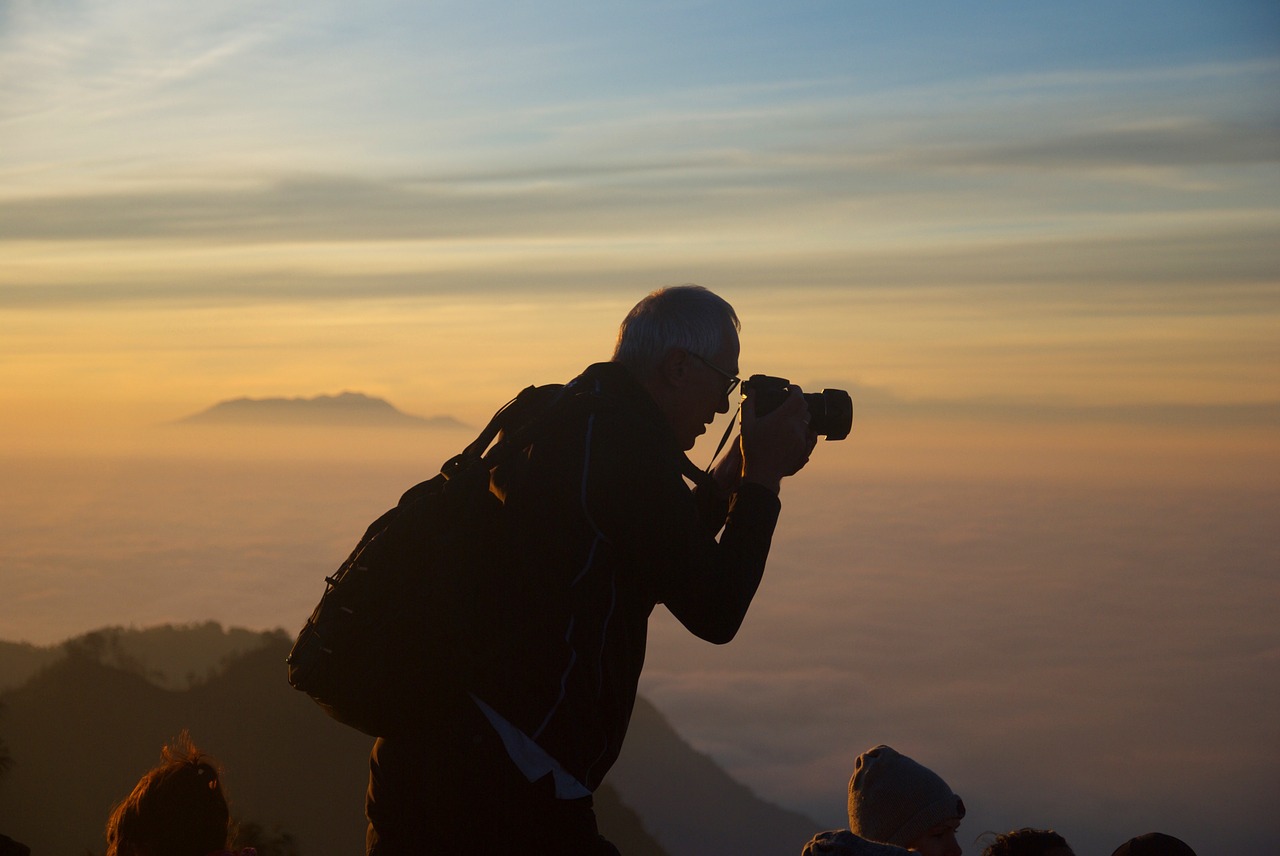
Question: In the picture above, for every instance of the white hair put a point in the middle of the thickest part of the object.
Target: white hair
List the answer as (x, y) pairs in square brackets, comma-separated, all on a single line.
[(680, 316)]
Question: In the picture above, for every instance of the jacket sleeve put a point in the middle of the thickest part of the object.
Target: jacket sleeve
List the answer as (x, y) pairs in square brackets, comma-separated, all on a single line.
[(638, 498), (712, 598)]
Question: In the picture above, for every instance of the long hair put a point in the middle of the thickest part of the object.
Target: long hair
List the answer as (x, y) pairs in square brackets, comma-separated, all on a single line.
[(176, 809), (681, 316)]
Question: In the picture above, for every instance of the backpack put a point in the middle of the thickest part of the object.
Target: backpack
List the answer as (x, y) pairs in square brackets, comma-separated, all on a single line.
[(400, 624)]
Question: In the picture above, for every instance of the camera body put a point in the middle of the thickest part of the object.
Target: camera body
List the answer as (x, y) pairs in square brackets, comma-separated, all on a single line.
[(830, 411)]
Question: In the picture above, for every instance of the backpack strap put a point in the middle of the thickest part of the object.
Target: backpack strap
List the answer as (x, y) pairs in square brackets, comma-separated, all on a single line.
[(526, 417), (523, 418), (518, 421)]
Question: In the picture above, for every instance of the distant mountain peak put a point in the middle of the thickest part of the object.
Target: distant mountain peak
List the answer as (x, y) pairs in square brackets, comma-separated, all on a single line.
[(346, 409)]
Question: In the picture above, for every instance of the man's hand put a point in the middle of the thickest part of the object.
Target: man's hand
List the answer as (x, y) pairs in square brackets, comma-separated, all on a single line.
[(777, 444), (727, 471)]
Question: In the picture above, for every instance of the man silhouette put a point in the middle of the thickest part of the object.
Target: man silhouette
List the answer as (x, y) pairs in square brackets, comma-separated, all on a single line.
[(607, 528)]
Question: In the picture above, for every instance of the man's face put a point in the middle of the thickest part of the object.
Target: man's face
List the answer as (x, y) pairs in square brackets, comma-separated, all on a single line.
[(704, 395), (940, 840)]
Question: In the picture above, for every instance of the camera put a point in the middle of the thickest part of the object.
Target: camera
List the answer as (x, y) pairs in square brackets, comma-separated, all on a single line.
[(830, 411)]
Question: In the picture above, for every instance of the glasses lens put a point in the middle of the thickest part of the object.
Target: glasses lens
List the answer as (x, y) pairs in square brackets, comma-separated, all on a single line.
[(733, 381)]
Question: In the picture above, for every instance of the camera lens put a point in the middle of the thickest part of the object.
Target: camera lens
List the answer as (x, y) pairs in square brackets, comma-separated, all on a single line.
[(830, 413)]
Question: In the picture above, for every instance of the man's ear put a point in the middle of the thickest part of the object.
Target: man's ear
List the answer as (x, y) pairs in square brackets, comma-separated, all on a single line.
[(674, 367)]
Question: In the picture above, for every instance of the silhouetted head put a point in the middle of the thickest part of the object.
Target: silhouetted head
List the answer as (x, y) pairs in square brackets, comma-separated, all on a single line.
[(176, 809), (681, 343), (1154, 844), (1028, 842), (894, 800), (681, 316)]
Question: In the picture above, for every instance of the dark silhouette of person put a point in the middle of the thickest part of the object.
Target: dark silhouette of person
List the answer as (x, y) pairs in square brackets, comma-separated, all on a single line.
[(1154, 844), (607, 528), (1028, 842), (178, 808)]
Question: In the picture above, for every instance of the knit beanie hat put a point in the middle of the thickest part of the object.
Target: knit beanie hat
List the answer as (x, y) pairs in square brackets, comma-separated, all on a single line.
[(895, 800), (1154, 844)]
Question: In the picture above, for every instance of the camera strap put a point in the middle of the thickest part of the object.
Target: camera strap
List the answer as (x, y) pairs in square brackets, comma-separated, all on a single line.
[(725, 439)]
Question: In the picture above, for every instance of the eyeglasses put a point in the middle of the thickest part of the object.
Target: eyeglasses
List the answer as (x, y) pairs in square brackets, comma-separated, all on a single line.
[(732, 380)]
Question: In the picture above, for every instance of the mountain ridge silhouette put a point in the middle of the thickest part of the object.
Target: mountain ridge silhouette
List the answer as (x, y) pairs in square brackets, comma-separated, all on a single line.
[(84, 726), (347, 409)]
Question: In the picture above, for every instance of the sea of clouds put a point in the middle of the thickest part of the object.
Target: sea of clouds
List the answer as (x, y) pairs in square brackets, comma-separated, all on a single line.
[(1098, 657)]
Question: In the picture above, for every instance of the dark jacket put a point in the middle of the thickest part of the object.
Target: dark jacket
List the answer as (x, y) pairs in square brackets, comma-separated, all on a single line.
[(607, 528)]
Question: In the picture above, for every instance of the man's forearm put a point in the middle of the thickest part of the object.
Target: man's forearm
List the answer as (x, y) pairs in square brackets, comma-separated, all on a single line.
[(713, 604)]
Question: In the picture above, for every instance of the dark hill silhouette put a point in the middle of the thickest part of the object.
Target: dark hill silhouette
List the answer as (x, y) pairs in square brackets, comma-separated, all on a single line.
[(690, 803), (20, 660), (81, 731), (347, 409), (171, 656)]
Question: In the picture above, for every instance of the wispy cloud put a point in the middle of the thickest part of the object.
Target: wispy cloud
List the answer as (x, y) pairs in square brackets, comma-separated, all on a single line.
[(90, 62), (1187, 143)]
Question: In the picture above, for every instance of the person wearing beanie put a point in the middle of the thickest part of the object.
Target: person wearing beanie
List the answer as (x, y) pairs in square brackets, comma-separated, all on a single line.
[(1154, 844), (895, 800)]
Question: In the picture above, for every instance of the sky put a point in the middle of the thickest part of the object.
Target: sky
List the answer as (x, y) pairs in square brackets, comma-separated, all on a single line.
[(1011, 203), (1039, 243)]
